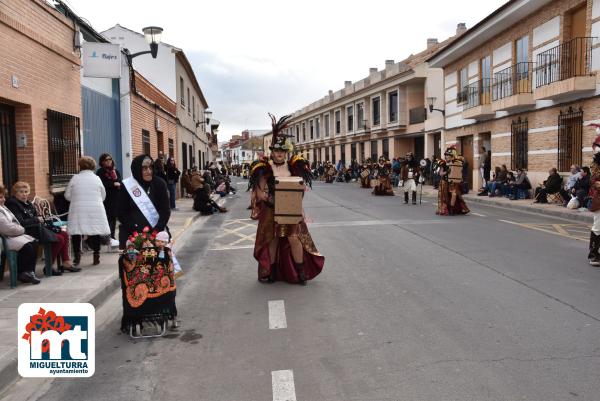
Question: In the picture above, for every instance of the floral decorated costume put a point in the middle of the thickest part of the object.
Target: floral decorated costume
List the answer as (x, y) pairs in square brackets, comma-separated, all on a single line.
[(147, 281)]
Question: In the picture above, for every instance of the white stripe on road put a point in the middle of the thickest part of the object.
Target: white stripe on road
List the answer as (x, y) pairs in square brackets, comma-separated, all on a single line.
[(283, 385), (277, 315), (478, 214), (230, 248)]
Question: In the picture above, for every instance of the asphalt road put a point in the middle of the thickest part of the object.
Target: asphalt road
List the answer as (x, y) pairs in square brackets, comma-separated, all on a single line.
[(496, 305)]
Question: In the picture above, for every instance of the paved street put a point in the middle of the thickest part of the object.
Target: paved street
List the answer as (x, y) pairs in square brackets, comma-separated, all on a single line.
[(497, 305)]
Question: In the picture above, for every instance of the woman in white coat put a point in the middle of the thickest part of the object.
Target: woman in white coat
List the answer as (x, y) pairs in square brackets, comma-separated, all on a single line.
[(86, 212), (17, 240)]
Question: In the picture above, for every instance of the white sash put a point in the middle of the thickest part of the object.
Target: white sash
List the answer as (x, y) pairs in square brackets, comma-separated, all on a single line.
[(141, 200)]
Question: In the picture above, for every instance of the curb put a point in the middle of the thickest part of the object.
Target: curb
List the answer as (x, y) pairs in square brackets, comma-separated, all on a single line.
[(586, 217)]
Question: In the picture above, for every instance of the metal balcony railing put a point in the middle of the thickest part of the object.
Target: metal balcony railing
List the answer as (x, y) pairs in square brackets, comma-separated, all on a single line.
[(568, 60), (479, 93), (513, 80)]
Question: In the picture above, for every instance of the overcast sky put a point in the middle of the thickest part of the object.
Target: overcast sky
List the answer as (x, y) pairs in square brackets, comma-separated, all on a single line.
[(254, 57)]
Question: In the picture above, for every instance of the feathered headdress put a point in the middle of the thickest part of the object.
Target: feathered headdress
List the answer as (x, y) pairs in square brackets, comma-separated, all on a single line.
[(280, 140)]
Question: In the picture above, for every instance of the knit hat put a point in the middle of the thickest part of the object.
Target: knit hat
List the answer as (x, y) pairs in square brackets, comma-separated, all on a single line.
[(162, 236)]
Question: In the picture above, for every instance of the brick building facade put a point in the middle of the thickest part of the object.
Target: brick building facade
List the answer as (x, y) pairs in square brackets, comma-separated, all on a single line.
[(40, 95), (522, 83), (153, 121)]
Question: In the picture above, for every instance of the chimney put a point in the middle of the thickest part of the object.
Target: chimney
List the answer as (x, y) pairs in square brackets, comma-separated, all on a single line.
[(461, 28), (431, 42), (389, 63), (372, 71), (347, 84), (330, 93)]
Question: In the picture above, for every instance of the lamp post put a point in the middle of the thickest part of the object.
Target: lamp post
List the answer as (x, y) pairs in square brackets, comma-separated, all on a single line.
[(152, 34), (431, 101)]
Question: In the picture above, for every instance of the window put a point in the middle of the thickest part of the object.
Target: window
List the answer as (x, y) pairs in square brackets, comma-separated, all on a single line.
[(145, 142), (327, 154), (333, 154), (171, 148), (570, 135), (184, 155), (191, 150), (318, 128), (376, 111), (386, 147), (182, 92), (326, 125), (393, 107), (338, 122), (522, 51), (312, 129), (160, 142), (485, 66), (350, 112), (297, 134), (374, 151), (360, 115), (303, 132), (188, 100), (194, 108), (343, 154), (518, 140), (463, 83), (63, 146)]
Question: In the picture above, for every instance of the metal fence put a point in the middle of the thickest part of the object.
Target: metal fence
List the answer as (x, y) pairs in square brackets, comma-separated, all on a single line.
[(479, 93), (513, 80), (519, 144), (570, 59), (64, 146), (570, 136)]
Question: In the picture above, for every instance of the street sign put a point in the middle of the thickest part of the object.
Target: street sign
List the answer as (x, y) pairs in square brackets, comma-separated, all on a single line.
[(101, 60)]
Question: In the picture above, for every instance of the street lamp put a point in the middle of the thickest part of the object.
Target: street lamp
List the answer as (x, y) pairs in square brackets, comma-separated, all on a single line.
[(431, 100), (152, 34)]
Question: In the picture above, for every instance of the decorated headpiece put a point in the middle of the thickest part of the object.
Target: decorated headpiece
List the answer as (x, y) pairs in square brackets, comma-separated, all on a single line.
[(280, 141), (451, 151)]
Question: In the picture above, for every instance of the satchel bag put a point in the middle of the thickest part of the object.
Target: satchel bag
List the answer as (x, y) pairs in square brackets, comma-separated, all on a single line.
[(46, 234)]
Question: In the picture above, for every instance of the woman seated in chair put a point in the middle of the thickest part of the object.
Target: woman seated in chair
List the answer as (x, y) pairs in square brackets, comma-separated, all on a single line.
[(17, 240), (35, 226)]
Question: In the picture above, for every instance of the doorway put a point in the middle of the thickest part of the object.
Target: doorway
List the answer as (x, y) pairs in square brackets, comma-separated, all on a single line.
[(466, 147), (8, 139), (419, 152), (578, 48)]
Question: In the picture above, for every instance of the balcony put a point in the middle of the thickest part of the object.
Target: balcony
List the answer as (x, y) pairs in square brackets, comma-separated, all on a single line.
[(512, 88), (478, 105), (565, 70)]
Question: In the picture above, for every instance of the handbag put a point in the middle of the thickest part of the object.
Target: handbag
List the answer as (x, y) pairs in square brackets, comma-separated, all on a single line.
[(46, 234)]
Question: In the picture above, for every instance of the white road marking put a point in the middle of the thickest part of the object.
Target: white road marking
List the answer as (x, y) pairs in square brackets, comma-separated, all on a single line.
[(277, 315), (283, 385), (478, 214), (231, 248), (376, 223)]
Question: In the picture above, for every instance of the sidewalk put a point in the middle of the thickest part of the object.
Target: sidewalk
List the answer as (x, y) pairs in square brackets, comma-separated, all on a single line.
[(94, 284), (527, 205)]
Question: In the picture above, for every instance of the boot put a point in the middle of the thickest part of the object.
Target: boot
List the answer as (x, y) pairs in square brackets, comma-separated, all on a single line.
[(414, 197), (301, 274), (406, 198), (593, 256), (96, 259), (77, 259)]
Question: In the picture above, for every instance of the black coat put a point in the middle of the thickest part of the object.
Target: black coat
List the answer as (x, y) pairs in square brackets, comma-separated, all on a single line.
[(111, 202), (173, 175), (553, 183), (130, 215), (27, 215)]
